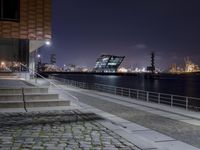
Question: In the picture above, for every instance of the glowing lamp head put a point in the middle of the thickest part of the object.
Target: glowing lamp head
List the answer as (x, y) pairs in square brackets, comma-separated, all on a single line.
[(38, 55), (48, 43)]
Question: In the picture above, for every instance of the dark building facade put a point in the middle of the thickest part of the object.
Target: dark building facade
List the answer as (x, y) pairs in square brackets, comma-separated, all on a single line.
[(25, 26), (108, 63)]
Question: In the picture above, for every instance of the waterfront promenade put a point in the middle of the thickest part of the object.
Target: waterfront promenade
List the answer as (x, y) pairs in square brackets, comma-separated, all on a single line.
[(173, 123), (55, 128), (99, 121)]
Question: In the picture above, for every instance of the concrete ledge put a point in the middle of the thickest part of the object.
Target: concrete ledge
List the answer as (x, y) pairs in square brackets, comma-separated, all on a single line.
[(35, 96), (144, 138), (27, 90), (176, 145), (140, 142), (38, 103), (47, 103), (11, 104)]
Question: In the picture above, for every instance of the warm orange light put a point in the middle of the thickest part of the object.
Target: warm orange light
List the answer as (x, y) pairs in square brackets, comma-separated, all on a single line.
[(2, 63)]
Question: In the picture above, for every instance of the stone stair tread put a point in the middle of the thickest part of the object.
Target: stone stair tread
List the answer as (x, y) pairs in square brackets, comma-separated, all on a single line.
[(34, 103), (35, 96), (27, 94), (27, 101), (10, 102), (31, 87), (7, 91), (43, 100)]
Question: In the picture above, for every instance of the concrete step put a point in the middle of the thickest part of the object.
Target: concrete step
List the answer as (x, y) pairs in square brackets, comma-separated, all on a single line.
[(7, 75), (35, 103), (27, 90), (28, 97)]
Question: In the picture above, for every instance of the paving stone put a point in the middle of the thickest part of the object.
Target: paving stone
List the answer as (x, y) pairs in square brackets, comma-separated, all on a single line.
[(49, 130)]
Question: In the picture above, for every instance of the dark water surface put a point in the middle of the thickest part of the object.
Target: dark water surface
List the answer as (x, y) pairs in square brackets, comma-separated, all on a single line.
[(186, 85)]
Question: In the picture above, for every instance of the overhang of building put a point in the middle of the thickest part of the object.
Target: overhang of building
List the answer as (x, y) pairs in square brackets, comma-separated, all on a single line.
[(35, 44)]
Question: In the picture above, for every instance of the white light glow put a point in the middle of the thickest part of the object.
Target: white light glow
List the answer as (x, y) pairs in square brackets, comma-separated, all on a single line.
[(48, 43)]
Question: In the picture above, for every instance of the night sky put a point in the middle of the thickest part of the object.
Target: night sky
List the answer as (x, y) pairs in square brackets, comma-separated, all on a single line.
[(85, 29)]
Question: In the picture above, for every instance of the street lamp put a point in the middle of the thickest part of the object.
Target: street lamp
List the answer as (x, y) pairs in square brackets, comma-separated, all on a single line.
[(37, 58), (47, 43)]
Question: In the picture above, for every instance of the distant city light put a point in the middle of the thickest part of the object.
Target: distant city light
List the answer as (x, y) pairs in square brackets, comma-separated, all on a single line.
[(122, 70), (189, 67), (2, 63), (143, 69)]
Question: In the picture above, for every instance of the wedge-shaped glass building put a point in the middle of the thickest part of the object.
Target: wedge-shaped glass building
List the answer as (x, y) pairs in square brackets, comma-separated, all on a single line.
[(108, 63)]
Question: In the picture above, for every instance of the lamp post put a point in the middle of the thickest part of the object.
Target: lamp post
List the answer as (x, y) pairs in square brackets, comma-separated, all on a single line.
[(37, 57), (38, 62)]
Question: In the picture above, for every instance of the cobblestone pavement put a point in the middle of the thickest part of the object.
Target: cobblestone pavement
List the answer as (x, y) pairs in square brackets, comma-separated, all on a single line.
[(58, 130), (179, 130)]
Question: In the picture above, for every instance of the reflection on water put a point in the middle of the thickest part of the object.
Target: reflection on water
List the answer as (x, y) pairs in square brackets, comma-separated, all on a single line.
[(187, 85)]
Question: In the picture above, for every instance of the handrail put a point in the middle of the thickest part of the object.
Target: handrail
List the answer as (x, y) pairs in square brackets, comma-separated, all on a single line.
[(23, 98), (148, 91), (51, 83)]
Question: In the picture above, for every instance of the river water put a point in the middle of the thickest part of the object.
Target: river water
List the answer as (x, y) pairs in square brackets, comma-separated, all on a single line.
[(186, 85)]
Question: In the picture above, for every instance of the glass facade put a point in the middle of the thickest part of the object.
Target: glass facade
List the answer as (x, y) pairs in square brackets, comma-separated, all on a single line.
[(108, 63), (12, 53), (9, 10)]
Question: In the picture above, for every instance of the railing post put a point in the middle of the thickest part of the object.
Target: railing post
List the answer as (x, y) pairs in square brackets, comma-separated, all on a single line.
[(147, 97), (186, 105), (36, 79), (158, 98), (137, 94), (172, 100), (25, 76), (129, 92)]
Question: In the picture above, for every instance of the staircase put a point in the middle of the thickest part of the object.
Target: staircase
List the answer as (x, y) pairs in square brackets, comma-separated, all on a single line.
[(8, 75), (28, 97)]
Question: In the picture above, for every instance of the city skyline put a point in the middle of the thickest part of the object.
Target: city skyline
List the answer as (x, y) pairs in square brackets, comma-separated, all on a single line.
[(130, 28)]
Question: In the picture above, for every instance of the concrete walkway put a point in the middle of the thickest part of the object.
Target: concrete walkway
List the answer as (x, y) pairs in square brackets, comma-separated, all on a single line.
[(155, 126), (133, 126), (56, 128)]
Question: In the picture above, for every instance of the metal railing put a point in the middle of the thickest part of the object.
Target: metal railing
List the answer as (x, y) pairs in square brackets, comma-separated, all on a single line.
[(171, 100), (52, 84)]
